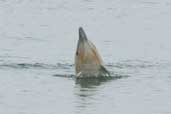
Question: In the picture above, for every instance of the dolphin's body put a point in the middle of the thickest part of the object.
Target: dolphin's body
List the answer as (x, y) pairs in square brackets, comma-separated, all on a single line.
[(88, 62)]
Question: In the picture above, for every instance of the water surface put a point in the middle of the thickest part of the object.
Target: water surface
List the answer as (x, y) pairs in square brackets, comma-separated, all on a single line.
[(37, 46)]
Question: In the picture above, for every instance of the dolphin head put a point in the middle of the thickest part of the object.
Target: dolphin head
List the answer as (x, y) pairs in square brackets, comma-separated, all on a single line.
[(87, 59)]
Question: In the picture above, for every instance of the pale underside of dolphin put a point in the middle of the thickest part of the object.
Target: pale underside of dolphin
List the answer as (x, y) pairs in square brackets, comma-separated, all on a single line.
[(88, 62)]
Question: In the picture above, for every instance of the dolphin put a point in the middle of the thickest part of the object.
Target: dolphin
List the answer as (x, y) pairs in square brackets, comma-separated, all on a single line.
[(88, 62)]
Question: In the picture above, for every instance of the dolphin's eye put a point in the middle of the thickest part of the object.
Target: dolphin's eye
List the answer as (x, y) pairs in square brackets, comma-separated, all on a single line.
[(77, 53)]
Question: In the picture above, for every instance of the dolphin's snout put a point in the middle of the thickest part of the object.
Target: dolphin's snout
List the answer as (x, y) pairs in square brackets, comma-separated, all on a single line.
[(82, 35)]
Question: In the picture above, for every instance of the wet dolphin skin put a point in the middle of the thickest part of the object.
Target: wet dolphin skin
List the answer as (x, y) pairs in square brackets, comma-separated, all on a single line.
[(88, 62)]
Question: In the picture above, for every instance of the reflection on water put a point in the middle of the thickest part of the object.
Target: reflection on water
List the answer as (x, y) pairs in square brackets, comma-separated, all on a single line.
[(86, 92), (94, 82)]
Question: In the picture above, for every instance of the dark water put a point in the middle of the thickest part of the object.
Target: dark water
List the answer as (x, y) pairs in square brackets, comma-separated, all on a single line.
[(37, 46)]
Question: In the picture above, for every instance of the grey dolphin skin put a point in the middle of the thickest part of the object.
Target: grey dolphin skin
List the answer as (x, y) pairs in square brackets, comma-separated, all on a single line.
[(82, 35), (88, 62)]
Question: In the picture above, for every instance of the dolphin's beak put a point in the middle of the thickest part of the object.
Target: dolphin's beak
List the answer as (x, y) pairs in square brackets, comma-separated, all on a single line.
[(82, 35)]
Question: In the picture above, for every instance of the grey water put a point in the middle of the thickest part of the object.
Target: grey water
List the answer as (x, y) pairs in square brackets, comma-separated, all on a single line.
[(37, 45)]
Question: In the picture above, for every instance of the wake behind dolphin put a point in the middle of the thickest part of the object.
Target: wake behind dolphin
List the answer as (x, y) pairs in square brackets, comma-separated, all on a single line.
[(88, 62)]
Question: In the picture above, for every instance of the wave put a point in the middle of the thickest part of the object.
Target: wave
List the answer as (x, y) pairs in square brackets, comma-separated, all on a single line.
[(129, 64), (141, 64), (35, 66)]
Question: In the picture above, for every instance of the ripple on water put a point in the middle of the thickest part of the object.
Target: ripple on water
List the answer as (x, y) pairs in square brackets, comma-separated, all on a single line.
[(118, 69)]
